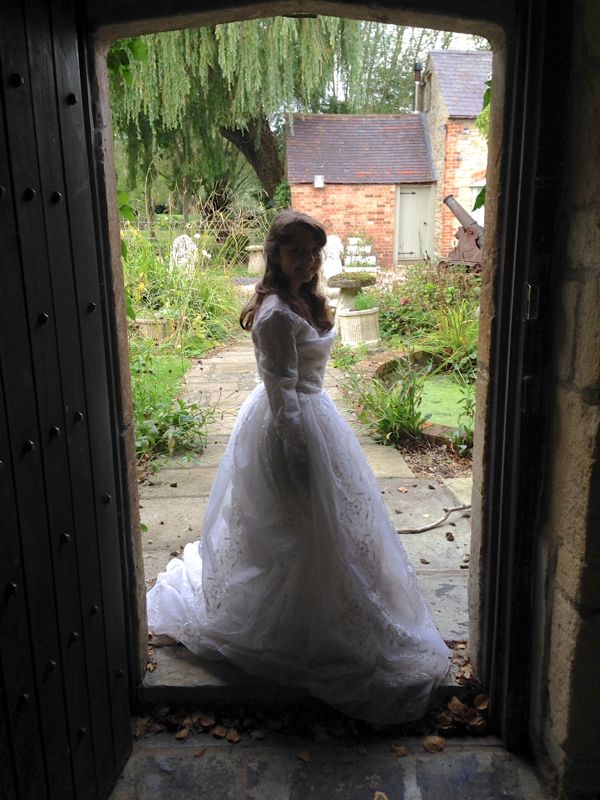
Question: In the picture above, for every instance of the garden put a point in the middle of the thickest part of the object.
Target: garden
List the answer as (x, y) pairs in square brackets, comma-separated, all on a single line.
[(418, 386), (180, 305), (418, 381)]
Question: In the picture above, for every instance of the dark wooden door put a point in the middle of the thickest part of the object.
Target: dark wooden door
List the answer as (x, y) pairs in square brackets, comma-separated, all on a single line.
[(64, 686)]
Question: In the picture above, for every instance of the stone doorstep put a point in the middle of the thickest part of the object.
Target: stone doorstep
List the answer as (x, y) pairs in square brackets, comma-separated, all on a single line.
[(182, 678), (295, 768)]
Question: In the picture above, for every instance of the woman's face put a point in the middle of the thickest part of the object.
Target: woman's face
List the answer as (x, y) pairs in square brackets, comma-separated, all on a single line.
[(300, 258)]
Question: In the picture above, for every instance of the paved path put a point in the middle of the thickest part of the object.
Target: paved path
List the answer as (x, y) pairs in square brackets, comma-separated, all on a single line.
[(172, 501)]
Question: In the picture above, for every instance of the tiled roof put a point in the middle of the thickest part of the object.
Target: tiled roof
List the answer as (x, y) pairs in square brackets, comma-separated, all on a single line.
[(461, 75), (355, 148)]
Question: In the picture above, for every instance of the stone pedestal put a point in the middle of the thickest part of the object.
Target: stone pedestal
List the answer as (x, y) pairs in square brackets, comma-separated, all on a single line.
[(256, 260), (358, 327)]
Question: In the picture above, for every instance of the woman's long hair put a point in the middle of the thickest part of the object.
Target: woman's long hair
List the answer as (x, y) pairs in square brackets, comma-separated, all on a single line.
[(311, 305)]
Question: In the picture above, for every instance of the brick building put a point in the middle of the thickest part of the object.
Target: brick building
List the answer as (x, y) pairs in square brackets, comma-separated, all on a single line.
[(384, 176), (361, 174)]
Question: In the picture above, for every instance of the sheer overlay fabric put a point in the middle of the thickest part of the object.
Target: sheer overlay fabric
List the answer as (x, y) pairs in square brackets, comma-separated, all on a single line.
[(300, 577)]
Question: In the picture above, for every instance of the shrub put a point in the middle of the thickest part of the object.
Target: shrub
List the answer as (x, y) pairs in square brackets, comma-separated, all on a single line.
[(453, 342), (164, 423), (391, 412), (202, 302), (365, 301)]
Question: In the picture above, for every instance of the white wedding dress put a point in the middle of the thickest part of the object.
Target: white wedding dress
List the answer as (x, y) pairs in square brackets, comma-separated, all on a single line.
[(300, 577)]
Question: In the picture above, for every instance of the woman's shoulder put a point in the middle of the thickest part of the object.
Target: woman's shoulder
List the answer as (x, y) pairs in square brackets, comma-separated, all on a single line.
[(274, 308)]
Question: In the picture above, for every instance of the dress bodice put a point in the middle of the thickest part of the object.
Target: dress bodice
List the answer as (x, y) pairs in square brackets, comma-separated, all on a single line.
[(298, 347)]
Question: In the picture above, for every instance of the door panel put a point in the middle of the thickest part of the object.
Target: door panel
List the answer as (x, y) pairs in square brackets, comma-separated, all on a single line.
[(414, 222), (63, 663)]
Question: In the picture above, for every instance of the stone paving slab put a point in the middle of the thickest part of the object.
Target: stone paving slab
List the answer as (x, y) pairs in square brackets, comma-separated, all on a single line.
[(202, 768)]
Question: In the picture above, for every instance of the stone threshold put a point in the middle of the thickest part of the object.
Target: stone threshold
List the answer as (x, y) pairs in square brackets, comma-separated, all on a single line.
[(181, 678)]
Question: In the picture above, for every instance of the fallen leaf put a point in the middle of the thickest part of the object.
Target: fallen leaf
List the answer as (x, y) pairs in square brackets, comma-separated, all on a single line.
[(402, 489), (233, 736), (219, 732), (173, 484), (457, 708), (304, 755), (380, 796), (450, 536), (433, 744), (138, 726), (182, 733), (424, 561), (461, 646), (426, 516), (399, 750), (473, 717), (200, 752), (482, 702), (206, 720)]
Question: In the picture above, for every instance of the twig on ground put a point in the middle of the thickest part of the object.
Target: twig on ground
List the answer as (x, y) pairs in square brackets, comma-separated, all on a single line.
[(435, 524)]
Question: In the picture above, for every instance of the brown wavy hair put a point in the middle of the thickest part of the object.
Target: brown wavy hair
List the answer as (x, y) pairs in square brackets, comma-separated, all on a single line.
[(311, 305)]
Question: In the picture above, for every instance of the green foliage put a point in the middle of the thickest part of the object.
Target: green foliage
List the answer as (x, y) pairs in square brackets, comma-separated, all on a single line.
[(463, 435), (283, 195), (412, 308), (201, 302), (389, 53), (164, 423), (483, 124), (344, 357), (453, 341), (391, 412), (365, 301)]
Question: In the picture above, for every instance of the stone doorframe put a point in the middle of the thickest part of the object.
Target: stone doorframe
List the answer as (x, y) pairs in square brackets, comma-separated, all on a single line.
[(501, 344)]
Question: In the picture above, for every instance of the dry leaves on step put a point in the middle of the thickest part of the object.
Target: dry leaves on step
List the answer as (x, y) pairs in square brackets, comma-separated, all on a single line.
[(219, 731), (233, 736), (304, 755), (402, 489), (400, 750), (380, 796), (433, 744)]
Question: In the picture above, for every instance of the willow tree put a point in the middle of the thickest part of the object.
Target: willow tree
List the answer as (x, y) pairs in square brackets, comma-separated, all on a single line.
[(234, 82)]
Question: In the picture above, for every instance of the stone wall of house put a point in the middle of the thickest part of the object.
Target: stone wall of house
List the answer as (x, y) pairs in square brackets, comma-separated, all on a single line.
[(436, 115), (466, 161), (566, 677), (353, 210)]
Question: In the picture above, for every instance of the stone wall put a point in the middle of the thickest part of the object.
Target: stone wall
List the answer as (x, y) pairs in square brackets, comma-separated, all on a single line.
[(566, 678), (436, 115), (353, 210)]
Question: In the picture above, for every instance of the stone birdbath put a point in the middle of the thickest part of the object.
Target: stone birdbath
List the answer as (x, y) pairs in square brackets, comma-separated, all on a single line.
[(350, 284)]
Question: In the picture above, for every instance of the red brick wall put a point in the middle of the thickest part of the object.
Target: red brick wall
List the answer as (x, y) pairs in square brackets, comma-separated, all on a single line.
[(465, 166), (353, 210)]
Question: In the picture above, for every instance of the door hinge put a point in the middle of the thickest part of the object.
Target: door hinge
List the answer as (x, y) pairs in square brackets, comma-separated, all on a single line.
[(532, 301)]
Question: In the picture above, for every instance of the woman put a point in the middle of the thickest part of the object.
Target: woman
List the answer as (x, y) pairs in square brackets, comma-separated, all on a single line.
[(300, 576)]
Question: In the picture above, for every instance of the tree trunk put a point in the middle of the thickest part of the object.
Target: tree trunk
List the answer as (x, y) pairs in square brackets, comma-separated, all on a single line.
[(258, 145), (185, 197)]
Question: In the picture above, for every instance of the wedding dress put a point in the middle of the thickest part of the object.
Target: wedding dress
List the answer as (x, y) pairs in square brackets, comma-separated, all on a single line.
[(300, 577)]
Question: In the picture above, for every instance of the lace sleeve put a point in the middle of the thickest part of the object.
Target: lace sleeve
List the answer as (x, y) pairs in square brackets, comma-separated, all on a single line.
[(275, 338)]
